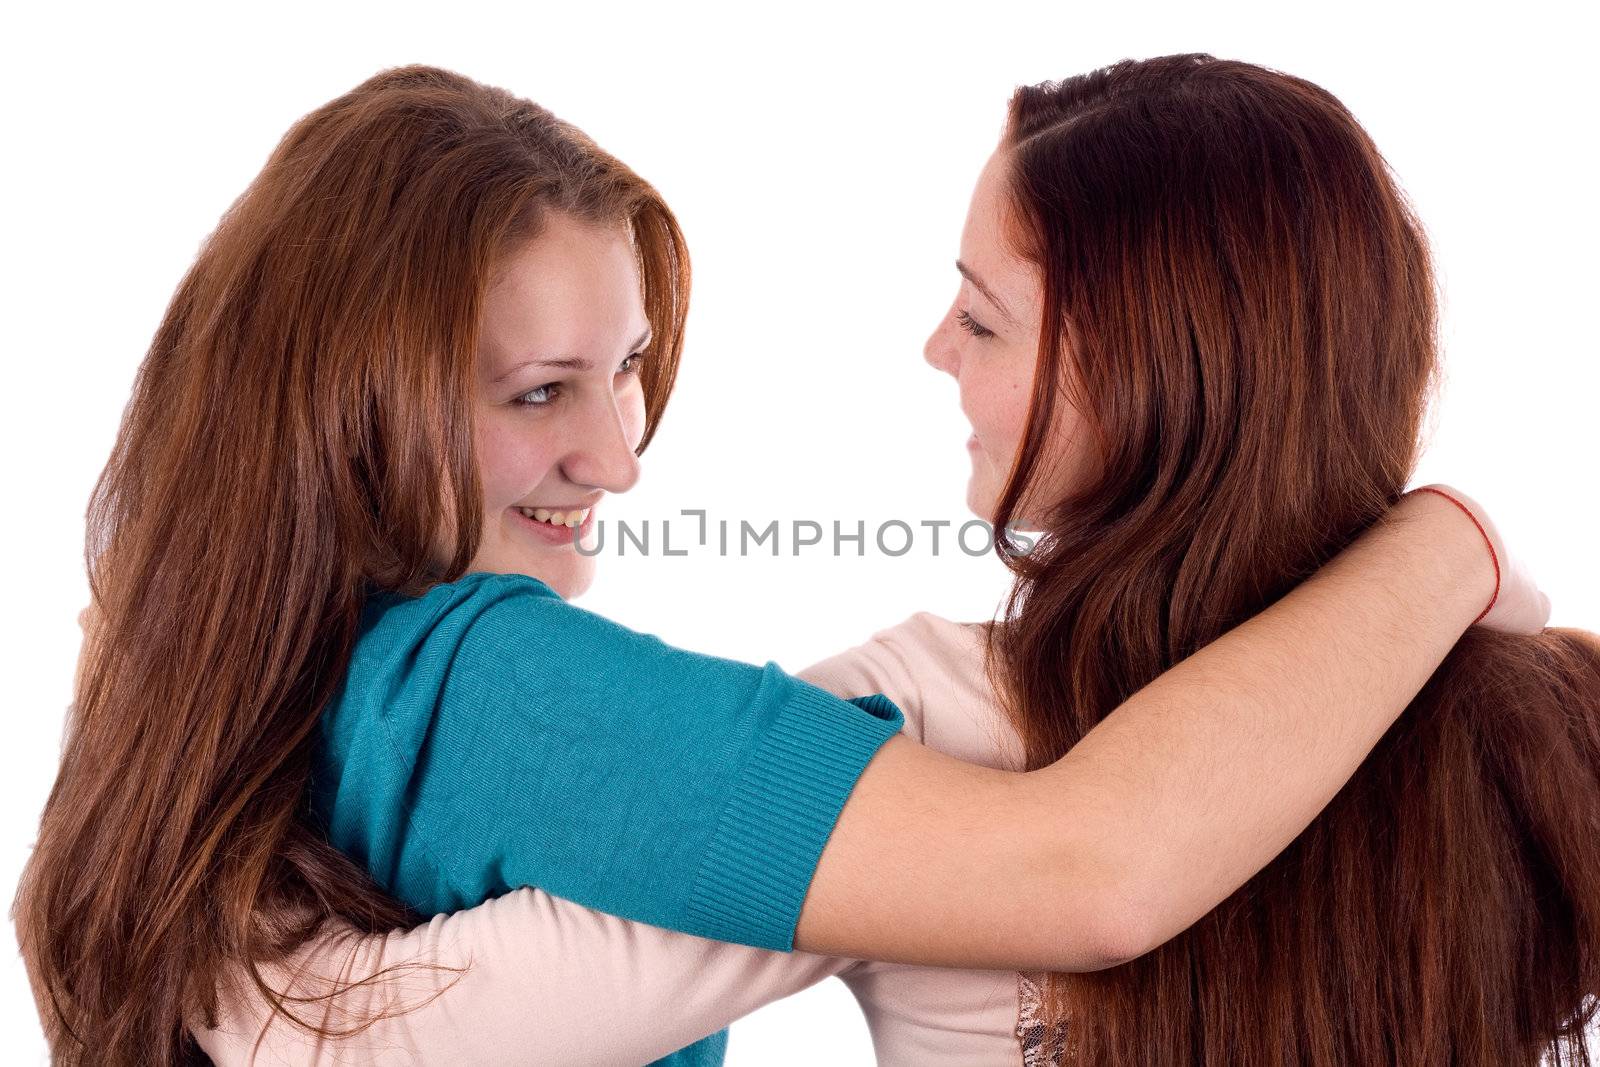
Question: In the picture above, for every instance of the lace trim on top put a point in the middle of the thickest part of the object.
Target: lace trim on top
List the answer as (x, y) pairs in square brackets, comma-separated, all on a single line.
[(1041, 1046)]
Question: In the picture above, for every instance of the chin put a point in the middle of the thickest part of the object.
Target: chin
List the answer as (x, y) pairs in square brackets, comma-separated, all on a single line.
[(980, 501), (573, 584)]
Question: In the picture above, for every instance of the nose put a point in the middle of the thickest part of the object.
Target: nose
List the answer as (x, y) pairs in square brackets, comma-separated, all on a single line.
[(940, 351), (606, 458)]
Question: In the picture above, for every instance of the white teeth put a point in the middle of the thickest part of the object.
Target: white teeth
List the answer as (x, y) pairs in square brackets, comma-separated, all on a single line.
[(541, 513)]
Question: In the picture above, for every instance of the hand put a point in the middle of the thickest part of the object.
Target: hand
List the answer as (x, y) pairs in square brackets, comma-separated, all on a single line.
[(89, 623), (1520, 607), (89, 620)]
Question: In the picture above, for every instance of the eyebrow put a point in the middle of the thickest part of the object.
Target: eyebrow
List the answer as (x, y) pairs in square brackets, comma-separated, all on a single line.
[(567, 362), (966, 272)]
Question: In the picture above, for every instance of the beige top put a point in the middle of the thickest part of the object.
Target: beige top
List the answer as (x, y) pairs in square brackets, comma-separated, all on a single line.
[(548, 981)]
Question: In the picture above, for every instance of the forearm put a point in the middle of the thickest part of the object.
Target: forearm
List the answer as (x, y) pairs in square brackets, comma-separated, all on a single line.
[(462, 989), (1202, 777)]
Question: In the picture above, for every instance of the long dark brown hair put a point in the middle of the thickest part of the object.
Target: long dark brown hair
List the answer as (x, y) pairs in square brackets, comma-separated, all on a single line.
[(1239, 299), (297, 430)]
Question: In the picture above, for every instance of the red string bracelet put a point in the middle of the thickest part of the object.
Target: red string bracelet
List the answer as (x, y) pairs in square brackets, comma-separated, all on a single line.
[(1493, 558)]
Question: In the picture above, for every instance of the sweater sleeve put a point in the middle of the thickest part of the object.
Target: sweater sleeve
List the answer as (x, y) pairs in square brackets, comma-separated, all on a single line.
[(523, 978), (544, 745)]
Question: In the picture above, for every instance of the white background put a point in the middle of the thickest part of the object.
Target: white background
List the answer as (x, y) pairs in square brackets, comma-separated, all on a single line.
[(819, 159)]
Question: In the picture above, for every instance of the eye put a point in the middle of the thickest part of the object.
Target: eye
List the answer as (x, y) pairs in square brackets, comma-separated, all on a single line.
[(539, 397), (972, 325), (631, 364)]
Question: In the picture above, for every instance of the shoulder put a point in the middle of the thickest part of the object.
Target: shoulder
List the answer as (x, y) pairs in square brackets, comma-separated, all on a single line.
[(453, 648), (508, 648), (482, 614), (961, 713), (933, 637), (933, 668), (470, 593), (389, 616), (877, 665), (901, 655)]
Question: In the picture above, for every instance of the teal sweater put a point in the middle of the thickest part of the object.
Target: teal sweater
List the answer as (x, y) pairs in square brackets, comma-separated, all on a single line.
[(490, 735)]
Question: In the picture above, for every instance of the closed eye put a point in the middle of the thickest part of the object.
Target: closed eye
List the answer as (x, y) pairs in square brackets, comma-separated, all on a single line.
[(972, 325)]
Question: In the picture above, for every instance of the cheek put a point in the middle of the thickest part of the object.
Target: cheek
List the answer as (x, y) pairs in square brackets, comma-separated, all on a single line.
[(1073, 441), (514, 455), (997, 405)]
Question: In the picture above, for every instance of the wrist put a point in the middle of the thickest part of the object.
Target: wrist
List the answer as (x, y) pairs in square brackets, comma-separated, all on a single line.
[(1448, 524)]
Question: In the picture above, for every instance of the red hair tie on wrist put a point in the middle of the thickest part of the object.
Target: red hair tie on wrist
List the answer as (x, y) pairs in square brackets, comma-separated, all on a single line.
[(1493, 558)]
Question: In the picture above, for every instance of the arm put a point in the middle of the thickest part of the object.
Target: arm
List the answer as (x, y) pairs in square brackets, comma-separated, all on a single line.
[(520, 978), (494, 736), (1174, 800)]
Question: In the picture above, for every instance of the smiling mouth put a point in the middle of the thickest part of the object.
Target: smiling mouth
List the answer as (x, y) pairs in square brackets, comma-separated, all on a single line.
[(572, 518), (574, 524)]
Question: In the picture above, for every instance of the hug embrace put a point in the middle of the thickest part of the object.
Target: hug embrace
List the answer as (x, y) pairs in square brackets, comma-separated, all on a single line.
[(1264, 760)]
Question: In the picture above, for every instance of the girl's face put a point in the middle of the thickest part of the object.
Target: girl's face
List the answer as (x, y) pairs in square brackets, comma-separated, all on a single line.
[(989, 342), (560, 408)]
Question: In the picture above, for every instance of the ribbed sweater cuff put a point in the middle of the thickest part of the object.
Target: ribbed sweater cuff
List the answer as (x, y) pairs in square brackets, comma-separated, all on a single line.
[(760, 860)]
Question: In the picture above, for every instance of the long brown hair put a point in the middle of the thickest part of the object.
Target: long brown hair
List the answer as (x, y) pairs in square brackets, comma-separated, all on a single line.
[(300, 424), (1239, 299)]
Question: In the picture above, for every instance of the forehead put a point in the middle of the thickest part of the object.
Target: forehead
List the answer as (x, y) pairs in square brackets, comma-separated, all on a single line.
[(985, 246), (573, 288)]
